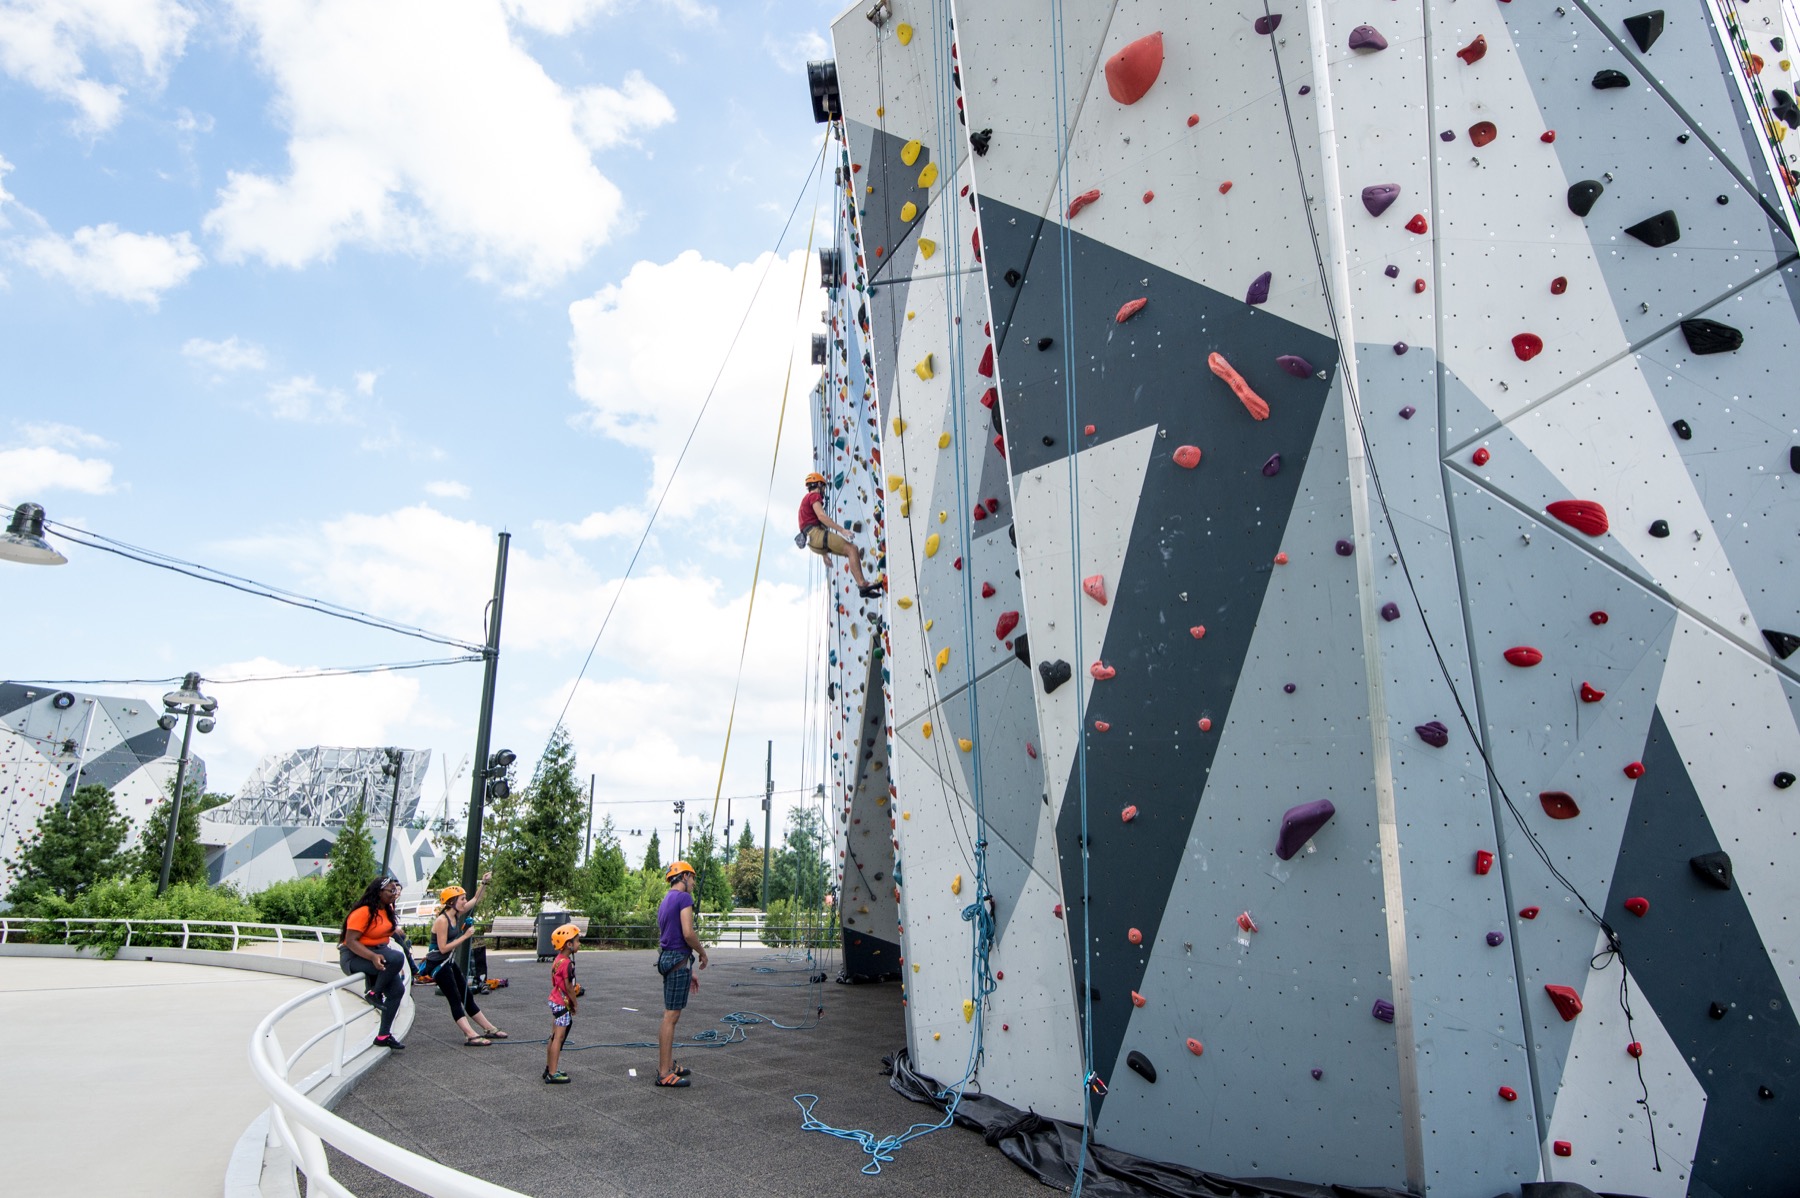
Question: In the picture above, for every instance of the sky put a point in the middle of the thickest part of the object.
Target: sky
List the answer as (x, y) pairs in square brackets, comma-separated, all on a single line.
[(328, 293)]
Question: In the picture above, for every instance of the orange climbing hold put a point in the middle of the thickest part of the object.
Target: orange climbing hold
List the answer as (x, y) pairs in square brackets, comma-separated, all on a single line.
[(1127, 815), (1187, 456), (1253, 403), (1129, 309), (1138, 1000), (1101, 671), (1082, 201), (1095, 586), (1195, 1047), (1131, 72)]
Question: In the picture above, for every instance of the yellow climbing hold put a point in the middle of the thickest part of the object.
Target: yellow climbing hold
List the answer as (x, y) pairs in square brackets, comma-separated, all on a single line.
[(943, 658), (908, 210), (927, 247), (894, 481), (928, 625), (899, 426), (928, 175), (903, 33), (965, 744), (931, 545), (943, 516), (923, 369), (906, 491), (904, 602), (956, 884), (906, 815), (910, 315), (905, 509), (882, 111), (937, 1035), (968, 1010), (926, 729), (915, 967), (943, 440), (909, 153)]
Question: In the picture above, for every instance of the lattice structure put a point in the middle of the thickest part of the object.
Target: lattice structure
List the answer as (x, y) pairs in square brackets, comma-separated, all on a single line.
[(318, 787)]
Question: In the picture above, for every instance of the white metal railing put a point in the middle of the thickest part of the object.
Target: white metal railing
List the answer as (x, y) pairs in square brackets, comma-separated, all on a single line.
[(238, 933), (304, 1127)]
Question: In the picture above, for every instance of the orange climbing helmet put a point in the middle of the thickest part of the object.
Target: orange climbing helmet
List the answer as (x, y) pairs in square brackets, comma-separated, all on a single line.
[(815, 479), (677, 869), (448, 893), (564, 936)]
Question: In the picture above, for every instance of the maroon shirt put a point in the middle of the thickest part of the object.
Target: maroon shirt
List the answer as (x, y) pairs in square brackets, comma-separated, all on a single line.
[(809, 514)]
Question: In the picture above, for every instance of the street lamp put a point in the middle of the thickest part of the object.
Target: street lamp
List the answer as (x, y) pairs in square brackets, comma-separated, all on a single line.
[(680, 809), (390, 768), (189, 701), (23, 540)]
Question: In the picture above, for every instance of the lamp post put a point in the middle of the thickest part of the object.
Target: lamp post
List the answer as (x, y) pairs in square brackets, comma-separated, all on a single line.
[(391, 768), (189, 701), (23, 540), (680, 810)]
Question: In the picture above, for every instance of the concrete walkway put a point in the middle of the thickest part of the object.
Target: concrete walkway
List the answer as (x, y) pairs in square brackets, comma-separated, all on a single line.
[(127, 1077)]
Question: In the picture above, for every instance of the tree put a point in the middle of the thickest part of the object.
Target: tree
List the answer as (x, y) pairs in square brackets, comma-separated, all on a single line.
[(448, 836), (746, 877), (352, 865), (797, 872), (715, 886), (189, 862), (544, 845), (77, 845), (653, 854)]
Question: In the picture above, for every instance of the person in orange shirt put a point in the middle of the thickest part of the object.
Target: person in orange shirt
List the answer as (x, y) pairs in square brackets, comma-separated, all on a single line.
[(363, 948)]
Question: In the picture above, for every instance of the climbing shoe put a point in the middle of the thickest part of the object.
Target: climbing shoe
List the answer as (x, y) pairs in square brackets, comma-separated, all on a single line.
[(871, 591), (559, 1078), (672, 1080)]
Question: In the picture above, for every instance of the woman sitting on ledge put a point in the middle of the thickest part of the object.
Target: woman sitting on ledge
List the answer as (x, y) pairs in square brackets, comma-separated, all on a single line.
[(368, 952)]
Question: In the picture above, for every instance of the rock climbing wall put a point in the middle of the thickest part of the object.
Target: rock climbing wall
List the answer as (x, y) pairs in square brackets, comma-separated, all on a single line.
[(970, 818)]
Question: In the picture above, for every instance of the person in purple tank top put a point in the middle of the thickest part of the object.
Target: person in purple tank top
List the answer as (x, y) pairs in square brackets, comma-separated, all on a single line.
[(678, 944)]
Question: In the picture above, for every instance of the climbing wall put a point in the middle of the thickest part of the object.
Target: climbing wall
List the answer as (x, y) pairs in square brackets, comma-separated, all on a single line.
[(1403, 480), (971, 826)]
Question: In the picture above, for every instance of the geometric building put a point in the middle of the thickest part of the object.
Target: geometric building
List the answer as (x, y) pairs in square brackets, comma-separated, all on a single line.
[(1334, 712), (53, 741)]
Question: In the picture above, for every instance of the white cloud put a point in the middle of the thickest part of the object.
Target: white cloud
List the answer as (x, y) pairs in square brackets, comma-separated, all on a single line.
[(302, 399), (226, 356), (423, 128), (647, 350), (48, 43), (608, 116), (61, 436), (137, 267), (447, 489), (365, 381), (35, 469), (622, 521), (793, 51), (562, 17)]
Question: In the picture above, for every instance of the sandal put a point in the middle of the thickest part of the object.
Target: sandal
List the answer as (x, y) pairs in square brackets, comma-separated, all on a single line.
[(495, 1033), (477, 1042), (672, 1080)]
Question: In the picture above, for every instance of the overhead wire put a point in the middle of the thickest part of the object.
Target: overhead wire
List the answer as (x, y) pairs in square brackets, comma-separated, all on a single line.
[(384, 667)]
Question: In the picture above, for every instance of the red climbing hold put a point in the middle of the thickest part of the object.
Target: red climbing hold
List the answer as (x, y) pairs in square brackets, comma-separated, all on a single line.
[(1095, 586), (1127, 815), (1193, 119), (1418, 286), (993, 506), (1138, 1000), (1547, 136), (1417, 223), (1474, 51), (1205, 724), (1031, 750), (1008, 621), (1129, 309), (986, 367), (1482, 132), (1528, 913), (1583, 515), (1563, 1148), (1480, 456), (1558, 804), (1484, 861), (1597, 617), (1187, 456), (1225, 187), (975, 244), (1253, 403), (1568, 1003), (957, 564), (1131, 71), (1101, 671), (990, 397), (1102, 726), (1000, 445), (1082, 201), (1523, 655), (1527, 346), (1638, 906), (1508, 1093), (1059, 910), (987, 590), (1197, 631), (1635, 770), (1558, 285), (1634, 1049), (1148, 196), (1590, 695), (1195, 1047), (1135, 936), (980, 513), (1245, 923)]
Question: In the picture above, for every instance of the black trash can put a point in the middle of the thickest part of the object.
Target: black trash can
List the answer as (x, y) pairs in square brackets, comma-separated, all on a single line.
[(548, 922)]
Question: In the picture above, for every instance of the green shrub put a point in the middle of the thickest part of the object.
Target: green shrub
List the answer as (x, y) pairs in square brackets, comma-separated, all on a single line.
[(306, 902), (136, 898), (791, 923)]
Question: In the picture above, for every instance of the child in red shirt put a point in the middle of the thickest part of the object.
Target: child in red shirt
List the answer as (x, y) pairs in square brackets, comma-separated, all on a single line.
[(564, 992)]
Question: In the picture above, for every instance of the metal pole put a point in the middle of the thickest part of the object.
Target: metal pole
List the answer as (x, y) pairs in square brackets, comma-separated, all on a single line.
[(187, 734), (768, 815), (587, 846), (395, 756), (483, 734)]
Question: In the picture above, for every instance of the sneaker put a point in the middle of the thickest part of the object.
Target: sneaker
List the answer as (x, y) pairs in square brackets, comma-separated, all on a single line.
[(370, 997), (388, 1041), (559, 1078)]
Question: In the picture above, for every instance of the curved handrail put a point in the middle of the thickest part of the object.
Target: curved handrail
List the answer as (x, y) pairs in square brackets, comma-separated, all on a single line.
[(240, 932)]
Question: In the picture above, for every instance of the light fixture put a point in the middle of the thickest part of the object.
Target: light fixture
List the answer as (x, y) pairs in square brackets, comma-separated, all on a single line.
[(23, 540), (166, 723), (205, 724)]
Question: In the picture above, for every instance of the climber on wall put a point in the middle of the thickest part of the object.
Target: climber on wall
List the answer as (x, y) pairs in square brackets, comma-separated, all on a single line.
[(824, 536)]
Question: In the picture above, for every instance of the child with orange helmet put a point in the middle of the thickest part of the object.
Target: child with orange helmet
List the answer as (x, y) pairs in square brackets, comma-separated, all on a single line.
[(565, 991)]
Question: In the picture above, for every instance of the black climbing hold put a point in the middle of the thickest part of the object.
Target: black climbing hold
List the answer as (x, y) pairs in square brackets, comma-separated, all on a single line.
[(1710, 337), (1794, 458), (1659, 528), (1683, 431), (1715, 868), (1776, 45), (979, 142), (1723, 198), (1718, 1010), (1784, 643), (1054, 673), (1783, 780), (1044, 343), (1682, 138), (1048, 441), (1012, 278), (1610, 78), (1583, 195), (1645, 28), (1783, 106), (1140, 1064), (1657, 231), (1763, 1092)]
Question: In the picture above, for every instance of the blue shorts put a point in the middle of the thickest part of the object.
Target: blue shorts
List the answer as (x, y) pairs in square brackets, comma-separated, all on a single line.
[(677, 969)]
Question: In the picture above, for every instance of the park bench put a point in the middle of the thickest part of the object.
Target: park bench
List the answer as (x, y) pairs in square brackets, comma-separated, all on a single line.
[(523, 927)]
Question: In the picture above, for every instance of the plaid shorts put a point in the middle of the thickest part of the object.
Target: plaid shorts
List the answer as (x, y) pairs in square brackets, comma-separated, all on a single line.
[(560, 1015), (677, 969)]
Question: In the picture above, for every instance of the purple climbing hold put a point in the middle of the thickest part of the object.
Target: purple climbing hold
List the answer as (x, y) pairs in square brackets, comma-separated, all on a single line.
[(1318, 1074), (1383, 1010), (1401, 347), (1295, 365), (1289, 688), (1272, 467), (1379, 197), (1267, 25), (1447, 135), (1345, 548), (1390, 612), (1259, 289), (1306, 89), (1299, 824), (1433, 733), (1496, 939), (1406, 413), (1367, 37), (1392, 272)]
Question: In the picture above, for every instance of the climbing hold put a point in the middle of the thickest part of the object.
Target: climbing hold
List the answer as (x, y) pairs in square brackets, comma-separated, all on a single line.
[(923, 369), (1281, 559), (1129, 309), (1634, 1049), (1482, 132), (1597, 617), (1135, 936), (1008, 621), (1657, 231), (1101, 671), (957, 564), (1082, 201), (1288, 688), (1012, 278), (1509, 1094), (1783, 643), (1408, 411), (1433, 733), (925, 729), (1095, 586), (1484, 861), (1054, 674), (1195, 1047), (965, 744), (1528, 913), (943, 658), (980, 513), (1568, 1003), (1710, 337), (968, 1010), (1197, 631), (1392, 272), (1390, 611), (1527, 346), (1020, 649), (1523, 655), (1259, 289), (929, 175), (1583, 515), (931, 545), (927, 248), (1764, 1093), (979, 142), (1131, 71), (1295, 365), (990, 397), (987, 590), (1140, 1064), (1126, 816), (1417, 223), (1383, 1010), (1610, 78), (1645, 28), (943, 440), (1558, 285), (1496, 939), (1590, 695), (903, 603), (1378, 198), (1638, 906), (1447, 135), (1044, 343), (1718, 1010), (1547, 136), (1225, 187), (1418, 287), (1266, 25), (1272, 467), (1089, 430), (1148, 196), (1031, 750), (1253, 403), (1558, 804), (1584, 195), (1634, 770), (1366, 37), (903, 33), (1659, 528), (1318, 1075), (985, 367), (1715, 868), (1245, 923), (1299, 823), (1187, 456), (909, 153), (1058, 911), (1480, 456), (1344, 548), (1205, 724), (1475, 51), (1783, 780), (1193, 119), (1563, 1148), (956, 884), (1137, 1000)]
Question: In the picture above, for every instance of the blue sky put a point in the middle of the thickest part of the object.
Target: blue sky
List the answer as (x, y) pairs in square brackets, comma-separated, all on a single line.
[(327, 292)]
